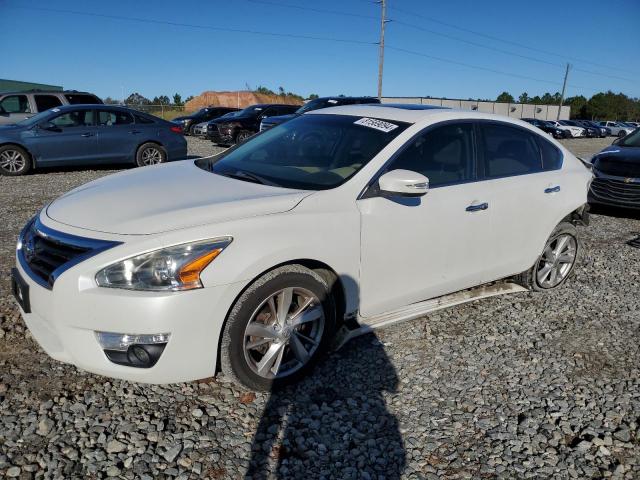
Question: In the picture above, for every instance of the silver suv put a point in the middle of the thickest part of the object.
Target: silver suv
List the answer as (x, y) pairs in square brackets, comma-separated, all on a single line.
[(16, 106)]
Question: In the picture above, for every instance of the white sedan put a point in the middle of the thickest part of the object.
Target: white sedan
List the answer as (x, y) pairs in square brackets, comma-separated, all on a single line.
[(338, 221), (573, 130)]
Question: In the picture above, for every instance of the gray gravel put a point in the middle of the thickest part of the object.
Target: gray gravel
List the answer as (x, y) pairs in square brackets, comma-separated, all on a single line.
[(523, 386)]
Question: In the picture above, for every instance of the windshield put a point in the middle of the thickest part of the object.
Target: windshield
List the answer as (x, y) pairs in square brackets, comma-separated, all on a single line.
[(631, 140), (310, 152), (250, 111), (27, 122), (230, 115)]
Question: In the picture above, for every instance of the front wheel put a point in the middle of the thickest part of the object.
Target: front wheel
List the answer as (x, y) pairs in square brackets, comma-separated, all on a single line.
[(14, 160), (556, 262), (622, 133), (277, 328), (243, 135), (150, 154)]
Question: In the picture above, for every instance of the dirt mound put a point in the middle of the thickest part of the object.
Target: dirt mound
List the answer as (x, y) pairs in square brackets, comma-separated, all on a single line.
[(236, 99)]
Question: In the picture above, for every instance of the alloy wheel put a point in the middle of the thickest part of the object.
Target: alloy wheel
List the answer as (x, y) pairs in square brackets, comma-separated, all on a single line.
[(557, 261), (151, 156), (12, 161), (284, 332)]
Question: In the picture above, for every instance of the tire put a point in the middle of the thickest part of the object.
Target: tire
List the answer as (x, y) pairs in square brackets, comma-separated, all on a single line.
[(622, 133), (150, 154), (14, 161), (243, 135), (256, 361), (531, 279), (567, 134)]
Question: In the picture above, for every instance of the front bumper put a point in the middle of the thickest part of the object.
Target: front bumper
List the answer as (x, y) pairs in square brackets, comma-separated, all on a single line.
[(220, 139), (64, 321), (615, 192)]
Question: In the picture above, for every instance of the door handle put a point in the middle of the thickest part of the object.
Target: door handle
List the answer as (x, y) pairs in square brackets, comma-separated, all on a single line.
[(555, 189), (477, 207), (88, 134)]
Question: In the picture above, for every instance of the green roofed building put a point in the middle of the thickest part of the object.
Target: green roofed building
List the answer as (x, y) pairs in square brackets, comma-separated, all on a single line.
[(17, 86)]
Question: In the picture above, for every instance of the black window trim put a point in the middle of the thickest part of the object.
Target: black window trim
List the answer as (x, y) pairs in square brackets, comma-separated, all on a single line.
[(372, 188)]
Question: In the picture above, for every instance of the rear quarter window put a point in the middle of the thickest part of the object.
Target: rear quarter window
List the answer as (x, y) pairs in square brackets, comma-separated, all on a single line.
[(551, 155), (142, 119)]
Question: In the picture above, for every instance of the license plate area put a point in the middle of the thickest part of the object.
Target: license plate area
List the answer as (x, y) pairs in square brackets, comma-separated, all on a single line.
[(20, 290)]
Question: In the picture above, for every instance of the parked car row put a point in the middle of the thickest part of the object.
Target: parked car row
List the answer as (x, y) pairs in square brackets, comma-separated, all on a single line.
[(17, 106)]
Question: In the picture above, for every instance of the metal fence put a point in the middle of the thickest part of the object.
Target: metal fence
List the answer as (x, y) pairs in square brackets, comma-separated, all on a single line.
[(517, 110), (167, 112)]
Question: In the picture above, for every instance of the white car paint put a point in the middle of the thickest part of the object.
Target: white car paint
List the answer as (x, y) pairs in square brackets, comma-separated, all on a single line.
[(200, 129), (386, 254), (616, 128), (574, 131)]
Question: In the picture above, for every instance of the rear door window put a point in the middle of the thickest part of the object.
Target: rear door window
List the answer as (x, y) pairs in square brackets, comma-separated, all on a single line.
[(509, 151), (110, 118), (75, 118), (15, 104), (45, 102)]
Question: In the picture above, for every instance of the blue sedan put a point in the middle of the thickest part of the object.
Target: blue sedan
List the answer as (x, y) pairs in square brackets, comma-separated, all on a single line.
[(88, 135)]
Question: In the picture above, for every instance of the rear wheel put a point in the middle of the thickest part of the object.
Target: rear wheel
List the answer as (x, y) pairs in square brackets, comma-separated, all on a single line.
[(14, 160), (278, 328), (150, 154), (622, 133), (555, 264)]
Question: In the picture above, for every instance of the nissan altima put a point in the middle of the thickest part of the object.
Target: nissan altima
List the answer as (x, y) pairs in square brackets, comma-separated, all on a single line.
[(256, 261)]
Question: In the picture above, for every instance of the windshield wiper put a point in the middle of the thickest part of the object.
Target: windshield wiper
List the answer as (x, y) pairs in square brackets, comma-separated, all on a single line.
[(250, 177)]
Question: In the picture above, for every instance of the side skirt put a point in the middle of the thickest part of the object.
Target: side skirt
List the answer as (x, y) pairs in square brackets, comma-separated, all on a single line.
[(363, 325)]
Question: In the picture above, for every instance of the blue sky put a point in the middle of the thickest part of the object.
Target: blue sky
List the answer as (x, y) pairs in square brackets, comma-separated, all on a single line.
[(105, 55)]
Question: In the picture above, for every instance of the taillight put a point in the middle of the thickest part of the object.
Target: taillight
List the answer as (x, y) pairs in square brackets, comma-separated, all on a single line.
[(175, 129)]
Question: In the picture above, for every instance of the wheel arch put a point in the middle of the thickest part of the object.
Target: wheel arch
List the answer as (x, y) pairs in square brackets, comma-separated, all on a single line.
[(336, 289), (23, 147)]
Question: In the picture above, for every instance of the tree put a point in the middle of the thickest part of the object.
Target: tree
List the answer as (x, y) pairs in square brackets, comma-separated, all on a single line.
[(524, 98), (188, 99), (505, 97), (137, 99), (177, 99), (313, 96), (110, 101), (281, 91)]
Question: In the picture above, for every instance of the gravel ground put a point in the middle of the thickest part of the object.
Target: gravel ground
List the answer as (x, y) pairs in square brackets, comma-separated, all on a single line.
[(523, 386)]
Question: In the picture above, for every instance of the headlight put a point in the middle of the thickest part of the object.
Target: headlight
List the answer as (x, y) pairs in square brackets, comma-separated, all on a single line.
[(168, 269)]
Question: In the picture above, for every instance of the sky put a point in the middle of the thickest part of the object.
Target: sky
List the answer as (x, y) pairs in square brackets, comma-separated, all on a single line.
[(454, 48)]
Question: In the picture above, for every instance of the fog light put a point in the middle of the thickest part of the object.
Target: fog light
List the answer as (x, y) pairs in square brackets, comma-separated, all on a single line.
[(132, 350)]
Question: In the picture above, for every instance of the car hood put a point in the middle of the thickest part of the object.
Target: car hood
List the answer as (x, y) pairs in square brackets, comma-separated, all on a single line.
[(167, 197), (616, 152)]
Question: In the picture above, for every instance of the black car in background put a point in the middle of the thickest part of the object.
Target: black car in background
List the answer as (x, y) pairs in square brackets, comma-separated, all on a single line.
[(212, 126), (187, 122), (547, 127), (617, 173), (316, 104), (247, 122), (602, 131)]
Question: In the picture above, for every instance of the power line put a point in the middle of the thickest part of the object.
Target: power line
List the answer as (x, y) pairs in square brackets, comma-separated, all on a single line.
[(477, 67), (441, 34), (196, 26), (491, 37)]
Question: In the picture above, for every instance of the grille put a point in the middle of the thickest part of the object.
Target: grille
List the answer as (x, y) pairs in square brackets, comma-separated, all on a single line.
[(618, 167), (616, 190), (46, 253)]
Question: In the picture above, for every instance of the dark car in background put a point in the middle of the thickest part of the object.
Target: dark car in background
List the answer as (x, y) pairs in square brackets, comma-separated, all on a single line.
[(88, 135), (617, 173), (602, 131), (316, 104), (247, 122), (547, 127), (17, 106), (212, 126), (188, 122)]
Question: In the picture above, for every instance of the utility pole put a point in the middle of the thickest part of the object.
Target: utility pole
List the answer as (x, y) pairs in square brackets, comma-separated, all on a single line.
[(564, 86), (383, 3)]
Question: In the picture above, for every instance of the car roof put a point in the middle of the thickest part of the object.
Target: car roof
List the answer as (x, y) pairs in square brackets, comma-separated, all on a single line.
[(35, 90)]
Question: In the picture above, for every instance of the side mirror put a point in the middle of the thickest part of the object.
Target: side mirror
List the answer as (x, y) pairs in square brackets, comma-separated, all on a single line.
[(404, 183), (49, 127)]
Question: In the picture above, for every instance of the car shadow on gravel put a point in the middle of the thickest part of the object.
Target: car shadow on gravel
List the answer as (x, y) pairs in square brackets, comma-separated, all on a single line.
[(335, 423), (623, 213)]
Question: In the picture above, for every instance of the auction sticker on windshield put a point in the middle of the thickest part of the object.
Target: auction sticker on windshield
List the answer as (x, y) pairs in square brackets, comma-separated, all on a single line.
[(377, 124)]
